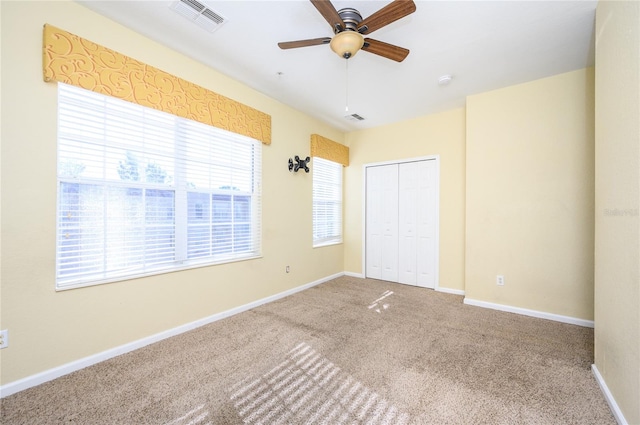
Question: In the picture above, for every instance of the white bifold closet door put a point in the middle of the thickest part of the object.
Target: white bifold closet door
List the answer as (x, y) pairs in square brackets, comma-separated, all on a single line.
[(401, 211), (382, 223)]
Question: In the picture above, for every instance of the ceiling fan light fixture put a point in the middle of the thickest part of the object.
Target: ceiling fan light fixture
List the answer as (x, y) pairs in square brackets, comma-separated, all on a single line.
[(347, 43)]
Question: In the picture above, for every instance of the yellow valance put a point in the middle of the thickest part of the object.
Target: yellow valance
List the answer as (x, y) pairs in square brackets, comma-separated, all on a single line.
[(330, 150), (73, 60)]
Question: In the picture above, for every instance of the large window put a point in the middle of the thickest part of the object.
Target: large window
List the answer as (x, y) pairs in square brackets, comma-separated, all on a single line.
[(327, 202), (142, 192)]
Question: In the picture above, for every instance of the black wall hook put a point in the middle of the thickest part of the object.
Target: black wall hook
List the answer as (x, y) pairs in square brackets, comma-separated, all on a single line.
[(297, 164)]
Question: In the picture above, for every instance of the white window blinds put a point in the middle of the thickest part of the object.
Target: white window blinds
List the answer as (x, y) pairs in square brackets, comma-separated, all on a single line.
[(141, 191), (327, 202)]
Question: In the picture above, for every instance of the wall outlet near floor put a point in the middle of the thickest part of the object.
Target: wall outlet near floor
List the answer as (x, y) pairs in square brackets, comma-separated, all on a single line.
[(287, 269), (4, 338), (500, 280)]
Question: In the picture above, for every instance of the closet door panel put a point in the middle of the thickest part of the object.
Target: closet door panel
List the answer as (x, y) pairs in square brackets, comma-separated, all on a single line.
[(390, 223), (382, 222), (426, 252), (373, 236), (408, 187)]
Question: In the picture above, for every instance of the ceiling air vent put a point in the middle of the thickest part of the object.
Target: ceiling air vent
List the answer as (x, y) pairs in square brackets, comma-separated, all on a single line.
[(199, 13), (354, 117)]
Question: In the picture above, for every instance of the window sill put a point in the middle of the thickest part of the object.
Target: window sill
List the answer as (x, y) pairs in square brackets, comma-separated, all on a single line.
[(152, 273), (323, 244)]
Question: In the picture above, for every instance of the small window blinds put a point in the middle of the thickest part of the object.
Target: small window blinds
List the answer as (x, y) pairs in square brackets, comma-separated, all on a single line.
[(327, 202)]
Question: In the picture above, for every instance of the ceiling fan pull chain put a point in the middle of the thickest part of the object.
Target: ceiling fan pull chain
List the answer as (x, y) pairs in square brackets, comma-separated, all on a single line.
[(346, 94)]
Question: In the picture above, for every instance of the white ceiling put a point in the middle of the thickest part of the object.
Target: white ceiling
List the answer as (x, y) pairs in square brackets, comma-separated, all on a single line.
[(484, 45)]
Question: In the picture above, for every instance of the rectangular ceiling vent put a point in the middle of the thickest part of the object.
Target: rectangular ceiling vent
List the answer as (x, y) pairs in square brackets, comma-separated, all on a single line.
[(199, 13), (354, 117)]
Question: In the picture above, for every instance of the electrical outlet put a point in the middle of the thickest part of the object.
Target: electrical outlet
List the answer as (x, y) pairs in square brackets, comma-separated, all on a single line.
[(4, 338), (287, 269), (500, 280)]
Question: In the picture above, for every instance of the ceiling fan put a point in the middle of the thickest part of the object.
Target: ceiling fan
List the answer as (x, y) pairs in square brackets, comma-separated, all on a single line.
[(349, 27)]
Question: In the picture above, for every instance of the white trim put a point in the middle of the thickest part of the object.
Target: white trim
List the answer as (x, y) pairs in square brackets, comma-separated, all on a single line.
[(56, 372), (450, 291), (532, 313), (438, 289), (615, 410), (437, 253), (435, 158), (400, 161), (363, 221)]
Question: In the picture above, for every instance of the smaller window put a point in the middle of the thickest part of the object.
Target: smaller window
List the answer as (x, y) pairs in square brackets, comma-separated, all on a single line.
[(327, 202)]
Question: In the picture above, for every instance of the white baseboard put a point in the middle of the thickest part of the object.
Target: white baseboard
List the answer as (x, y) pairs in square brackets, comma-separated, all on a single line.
[(617, 413), (440, 289), (450, 291), (65, 369), (532, 313)]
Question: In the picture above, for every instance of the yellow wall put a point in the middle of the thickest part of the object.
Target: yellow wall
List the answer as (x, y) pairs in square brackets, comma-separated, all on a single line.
[(530, 194), (617, 203), (48, 328), (439, 134)]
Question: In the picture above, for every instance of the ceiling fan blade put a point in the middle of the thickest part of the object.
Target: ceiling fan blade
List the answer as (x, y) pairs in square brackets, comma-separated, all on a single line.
[(388, 14), (329, 12), (385, 50), (304, 43)]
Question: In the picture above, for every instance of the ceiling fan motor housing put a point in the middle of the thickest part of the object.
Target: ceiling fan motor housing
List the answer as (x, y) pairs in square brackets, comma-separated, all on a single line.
[(351, 18)]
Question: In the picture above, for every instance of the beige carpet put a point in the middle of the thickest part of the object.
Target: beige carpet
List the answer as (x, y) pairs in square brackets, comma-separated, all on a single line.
[(349, 351)]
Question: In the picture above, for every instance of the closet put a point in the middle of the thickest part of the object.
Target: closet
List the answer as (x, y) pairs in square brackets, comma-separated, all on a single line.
[(401, 222)]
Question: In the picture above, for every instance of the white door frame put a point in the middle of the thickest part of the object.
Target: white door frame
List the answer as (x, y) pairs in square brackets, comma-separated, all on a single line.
[(435, 158)]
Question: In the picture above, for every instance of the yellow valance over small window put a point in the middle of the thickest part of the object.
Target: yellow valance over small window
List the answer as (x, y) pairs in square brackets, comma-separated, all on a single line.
[(322, 147), (70, 59)]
